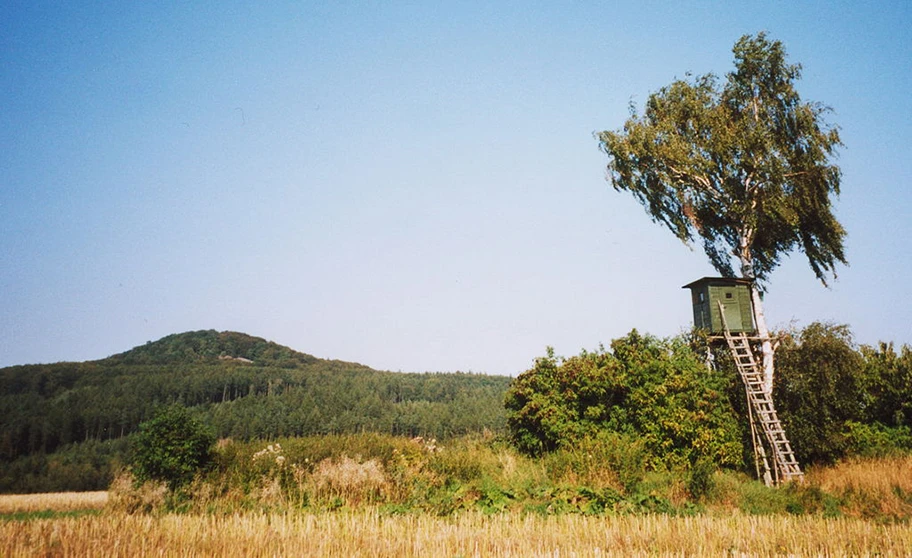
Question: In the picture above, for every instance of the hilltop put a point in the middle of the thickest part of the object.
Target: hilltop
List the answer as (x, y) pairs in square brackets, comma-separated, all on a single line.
[(210, 347)]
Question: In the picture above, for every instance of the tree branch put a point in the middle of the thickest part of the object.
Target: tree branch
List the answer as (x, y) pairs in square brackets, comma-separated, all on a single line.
[(703, 181)]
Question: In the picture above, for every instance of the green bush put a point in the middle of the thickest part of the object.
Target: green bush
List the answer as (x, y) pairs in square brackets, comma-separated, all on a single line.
[(887, 385), (657, 392), (817, 390), (171, 447), (876, 440)]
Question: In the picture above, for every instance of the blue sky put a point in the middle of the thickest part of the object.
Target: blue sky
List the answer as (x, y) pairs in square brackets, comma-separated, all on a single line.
[(412, 186)]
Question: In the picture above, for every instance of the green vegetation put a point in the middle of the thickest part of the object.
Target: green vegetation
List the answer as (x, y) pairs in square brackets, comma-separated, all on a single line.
[(172, 447), (838, 401), (665, 410), (643, 425), (64, 426), (477, 474), (646, 393)]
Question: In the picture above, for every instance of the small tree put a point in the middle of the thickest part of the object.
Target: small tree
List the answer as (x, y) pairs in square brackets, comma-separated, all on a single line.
[(171, 447), (746, 168), (819, 390)]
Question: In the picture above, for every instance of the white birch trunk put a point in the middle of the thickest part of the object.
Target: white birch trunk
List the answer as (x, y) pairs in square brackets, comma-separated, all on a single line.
[(767, 349), (766, 343)]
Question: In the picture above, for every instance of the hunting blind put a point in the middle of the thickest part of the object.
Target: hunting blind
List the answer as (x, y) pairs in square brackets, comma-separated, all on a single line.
[(713, 295)]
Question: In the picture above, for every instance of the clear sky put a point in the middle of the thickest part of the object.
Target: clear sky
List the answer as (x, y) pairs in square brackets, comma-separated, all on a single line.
[(413, 186)]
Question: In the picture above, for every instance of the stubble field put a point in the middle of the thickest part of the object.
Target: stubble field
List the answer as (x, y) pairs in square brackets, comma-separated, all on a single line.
[(368, 532)]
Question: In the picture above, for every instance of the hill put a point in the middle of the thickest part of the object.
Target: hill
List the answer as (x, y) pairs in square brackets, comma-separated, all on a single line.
[(242, 386), (210, 346)]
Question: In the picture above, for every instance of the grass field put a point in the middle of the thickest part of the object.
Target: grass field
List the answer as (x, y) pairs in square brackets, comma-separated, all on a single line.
[(368, 532)]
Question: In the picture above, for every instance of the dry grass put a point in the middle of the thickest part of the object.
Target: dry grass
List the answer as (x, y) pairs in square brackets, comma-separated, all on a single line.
[(59, 501), (869, 488), (368, 533), (349, 479), (124, 496), (862, 475)]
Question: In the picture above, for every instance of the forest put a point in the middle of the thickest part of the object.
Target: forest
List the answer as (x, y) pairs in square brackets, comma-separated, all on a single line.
[(65, 426)]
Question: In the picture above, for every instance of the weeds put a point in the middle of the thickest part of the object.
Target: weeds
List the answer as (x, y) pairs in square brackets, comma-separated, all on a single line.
[(126, 495)]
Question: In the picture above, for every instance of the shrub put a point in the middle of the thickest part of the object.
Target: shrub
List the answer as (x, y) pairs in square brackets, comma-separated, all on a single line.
[(657, 392), (171, 447), (817, 390), (876, 440)]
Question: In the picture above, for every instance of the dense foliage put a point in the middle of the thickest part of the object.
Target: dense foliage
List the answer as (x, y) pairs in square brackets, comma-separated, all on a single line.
[(660, 401), (209, 346), (642, 405), (838, 400), (171, 447), (651, 392)]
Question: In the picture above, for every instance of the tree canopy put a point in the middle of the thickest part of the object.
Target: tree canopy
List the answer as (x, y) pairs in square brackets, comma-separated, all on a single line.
[(745, 165)]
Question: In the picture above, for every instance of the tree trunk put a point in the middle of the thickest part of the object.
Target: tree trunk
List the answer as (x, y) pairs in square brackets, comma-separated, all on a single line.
[(766, 343)]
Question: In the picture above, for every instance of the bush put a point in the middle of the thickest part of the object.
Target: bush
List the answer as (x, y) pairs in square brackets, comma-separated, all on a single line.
[(657, 392), (171, 447), (817, 391), (876, 440)]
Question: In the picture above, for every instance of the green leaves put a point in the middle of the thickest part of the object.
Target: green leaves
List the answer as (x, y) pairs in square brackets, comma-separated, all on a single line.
[(837, 400), (656, 392), (744, 168), (171, 447)]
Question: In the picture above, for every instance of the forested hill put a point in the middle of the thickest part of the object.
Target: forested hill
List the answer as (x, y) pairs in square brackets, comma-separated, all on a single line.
[(242, 386), (210, 346)]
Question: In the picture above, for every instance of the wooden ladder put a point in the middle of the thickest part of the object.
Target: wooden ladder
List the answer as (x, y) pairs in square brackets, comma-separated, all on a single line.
[(763, 415)]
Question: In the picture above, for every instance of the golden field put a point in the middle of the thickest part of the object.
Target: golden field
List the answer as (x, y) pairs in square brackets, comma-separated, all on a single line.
[(367, 533)]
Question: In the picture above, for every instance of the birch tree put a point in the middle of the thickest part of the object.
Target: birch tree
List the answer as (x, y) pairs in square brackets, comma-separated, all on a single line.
[(744, 167)]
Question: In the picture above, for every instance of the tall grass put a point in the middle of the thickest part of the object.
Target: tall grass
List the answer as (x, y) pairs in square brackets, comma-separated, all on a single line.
[(871, 488), (370, 533)]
